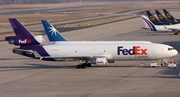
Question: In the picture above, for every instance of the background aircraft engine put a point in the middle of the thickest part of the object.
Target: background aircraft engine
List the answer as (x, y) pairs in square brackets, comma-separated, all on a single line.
[(39, 38), (100, 61)]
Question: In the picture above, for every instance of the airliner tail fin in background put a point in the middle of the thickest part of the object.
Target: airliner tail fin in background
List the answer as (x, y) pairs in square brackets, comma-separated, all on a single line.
[(146, 26), (148, 23), (52, 33), (153, 19), (169, 16), (23, 35), (161, 17)]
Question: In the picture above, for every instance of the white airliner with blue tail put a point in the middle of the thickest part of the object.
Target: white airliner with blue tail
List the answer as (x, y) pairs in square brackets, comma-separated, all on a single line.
[(86, 52)]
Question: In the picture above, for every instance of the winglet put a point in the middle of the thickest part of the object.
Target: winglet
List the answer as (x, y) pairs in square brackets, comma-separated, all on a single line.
[(52, 33)]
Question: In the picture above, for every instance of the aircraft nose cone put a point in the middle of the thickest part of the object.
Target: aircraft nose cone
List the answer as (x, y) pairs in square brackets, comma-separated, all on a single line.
[(175, 52)]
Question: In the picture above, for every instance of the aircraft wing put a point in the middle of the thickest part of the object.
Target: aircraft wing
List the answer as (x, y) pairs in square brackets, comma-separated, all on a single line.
[(76, 57), (172, 29)]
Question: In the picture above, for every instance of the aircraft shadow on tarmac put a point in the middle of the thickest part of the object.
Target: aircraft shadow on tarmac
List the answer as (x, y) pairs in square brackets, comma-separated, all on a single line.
[(16, 59), (46, 66), (175, 76), (165, 73), (157, 33), (35, 66), (29, 66), (144, 33), (168, 73)]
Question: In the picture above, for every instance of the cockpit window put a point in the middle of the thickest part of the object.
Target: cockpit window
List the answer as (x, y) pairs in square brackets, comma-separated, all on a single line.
[(170, 49)]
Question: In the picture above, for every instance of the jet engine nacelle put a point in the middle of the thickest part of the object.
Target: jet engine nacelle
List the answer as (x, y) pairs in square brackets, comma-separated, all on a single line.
[(20, 40), (99, 61), (39, 38)]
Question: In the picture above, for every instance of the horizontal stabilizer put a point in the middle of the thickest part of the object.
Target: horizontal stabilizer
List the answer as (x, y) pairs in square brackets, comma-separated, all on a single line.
[(29, 53), (37, 55)]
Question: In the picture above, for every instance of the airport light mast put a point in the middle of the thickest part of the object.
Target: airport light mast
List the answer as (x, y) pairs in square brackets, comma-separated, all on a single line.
[(80, 2)]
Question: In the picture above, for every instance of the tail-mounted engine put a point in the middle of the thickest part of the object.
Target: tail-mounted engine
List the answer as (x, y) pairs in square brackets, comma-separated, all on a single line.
[(20, 40)]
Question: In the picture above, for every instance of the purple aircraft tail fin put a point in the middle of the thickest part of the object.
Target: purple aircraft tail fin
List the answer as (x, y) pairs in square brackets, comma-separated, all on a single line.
[(23, 35), (19, 29)]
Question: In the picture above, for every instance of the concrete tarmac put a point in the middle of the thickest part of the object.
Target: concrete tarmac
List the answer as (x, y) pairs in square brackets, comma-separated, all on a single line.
[(25, 77), (39, 27)]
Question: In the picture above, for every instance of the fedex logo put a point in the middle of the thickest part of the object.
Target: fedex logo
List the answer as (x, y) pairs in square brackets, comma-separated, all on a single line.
[(100, 61), (26, 41), (136, 50)]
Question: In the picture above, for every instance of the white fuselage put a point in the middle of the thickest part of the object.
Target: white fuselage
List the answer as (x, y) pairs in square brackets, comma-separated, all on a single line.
[(172, 27), (117, 51), (94, 42), (162, 28), (167, 27)]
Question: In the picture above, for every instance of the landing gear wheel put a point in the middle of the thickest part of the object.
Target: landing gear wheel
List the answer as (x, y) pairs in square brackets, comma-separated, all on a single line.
[(176, 33), (89, 65), (83, 66), (78, 66)]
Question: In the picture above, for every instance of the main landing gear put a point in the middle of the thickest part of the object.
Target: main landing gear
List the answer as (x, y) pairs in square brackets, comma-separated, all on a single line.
[(176, 32), (83, 65)]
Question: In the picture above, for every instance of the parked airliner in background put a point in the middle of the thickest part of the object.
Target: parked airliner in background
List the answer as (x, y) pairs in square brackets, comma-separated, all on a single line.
[(170, 17), (163, 28), (164, 19), (86, 52), (154, 20)]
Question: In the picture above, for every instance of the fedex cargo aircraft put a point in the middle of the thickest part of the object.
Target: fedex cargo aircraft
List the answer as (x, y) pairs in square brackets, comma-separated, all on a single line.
[(86, 52)]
